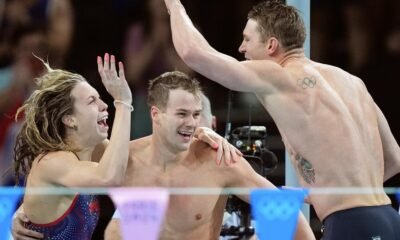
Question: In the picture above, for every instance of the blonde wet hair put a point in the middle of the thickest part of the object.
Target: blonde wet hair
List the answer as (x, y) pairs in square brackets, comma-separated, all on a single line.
[(42, 129)]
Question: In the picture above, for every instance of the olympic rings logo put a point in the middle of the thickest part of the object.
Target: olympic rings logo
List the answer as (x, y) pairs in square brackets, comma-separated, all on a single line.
[(278, 208), (307, 82)]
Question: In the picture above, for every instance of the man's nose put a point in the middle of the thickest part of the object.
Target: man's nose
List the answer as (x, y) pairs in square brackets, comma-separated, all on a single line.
[(242, 48), (103, 106), (191, 121)]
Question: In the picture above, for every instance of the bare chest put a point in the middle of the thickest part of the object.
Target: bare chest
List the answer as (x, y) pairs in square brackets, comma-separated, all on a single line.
[(191, 205)]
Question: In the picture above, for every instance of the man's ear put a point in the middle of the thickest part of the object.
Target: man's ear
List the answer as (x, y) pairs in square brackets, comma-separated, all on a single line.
[(69, 121), (155, 114), (272, 46)]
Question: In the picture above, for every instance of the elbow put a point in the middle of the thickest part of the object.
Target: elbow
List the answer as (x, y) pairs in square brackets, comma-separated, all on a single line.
[(118, 181), (113, 181), (186, 54), (110, 183), (109, 180)]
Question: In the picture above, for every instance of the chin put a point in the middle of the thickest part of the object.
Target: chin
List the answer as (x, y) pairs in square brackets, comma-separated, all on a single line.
[(104, 135), (183, 147), (100, 138)]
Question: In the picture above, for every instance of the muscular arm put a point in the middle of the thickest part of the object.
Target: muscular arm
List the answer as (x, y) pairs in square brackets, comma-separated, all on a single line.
[(65, 169), (192, 47), (391, 149), (242, 174)]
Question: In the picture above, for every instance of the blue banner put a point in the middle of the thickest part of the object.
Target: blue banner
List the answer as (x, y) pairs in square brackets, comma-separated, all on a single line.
[(9, 198), (276, 212)]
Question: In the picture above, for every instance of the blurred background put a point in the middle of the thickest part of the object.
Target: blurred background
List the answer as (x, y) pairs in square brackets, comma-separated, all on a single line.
[(362, 37)]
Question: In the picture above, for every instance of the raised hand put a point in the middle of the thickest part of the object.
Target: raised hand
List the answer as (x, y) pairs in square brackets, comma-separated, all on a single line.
[(224, 148), (116, 86)]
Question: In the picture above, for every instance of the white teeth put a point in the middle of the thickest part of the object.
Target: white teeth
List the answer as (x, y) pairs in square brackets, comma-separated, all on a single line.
[(102, 118), (185, 133), (103, 121)]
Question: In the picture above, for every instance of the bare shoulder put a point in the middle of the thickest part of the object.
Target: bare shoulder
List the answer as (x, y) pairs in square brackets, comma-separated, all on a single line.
[(204, 153), (330, 70), (138, 150), (55, 162), (263, 68), (140, 143), (265, 76), (56, 157), (343, 76)]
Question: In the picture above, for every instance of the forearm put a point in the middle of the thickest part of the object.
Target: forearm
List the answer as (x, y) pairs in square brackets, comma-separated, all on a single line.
[(197, 53), (194, 49), (112, 165), (18, 229), (303, 230), (185, 36)]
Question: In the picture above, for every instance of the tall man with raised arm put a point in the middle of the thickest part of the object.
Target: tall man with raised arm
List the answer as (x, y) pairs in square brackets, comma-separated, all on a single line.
[(330, 125)]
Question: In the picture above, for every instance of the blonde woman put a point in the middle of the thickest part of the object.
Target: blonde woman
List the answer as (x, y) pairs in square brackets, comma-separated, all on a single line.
[(65, 120)]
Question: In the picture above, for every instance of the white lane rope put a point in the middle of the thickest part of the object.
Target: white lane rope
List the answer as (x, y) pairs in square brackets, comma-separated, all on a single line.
[(203, 191)]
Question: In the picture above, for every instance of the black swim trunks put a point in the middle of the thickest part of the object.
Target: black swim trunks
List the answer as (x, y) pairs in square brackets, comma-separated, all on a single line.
[(364, 223)]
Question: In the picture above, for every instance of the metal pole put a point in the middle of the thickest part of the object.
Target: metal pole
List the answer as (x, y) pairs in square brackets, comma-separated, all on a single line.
[(290, 175)]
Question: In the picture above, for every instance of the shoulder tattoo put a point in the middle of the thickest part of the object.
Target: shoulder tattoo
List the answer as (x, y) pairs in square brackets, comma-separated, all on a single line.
[(305, 169), (307, 82)]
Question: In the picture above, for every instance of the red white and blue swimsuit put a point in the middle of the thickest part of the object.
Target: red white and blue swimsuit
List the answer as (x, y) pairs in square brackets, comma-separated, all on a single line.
[(78, 222)]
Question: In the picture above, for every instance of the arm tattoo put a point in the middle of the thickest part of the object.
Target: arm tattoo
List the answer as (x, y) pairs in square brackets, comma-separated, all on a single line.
[(305, 169), (307, 82)]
